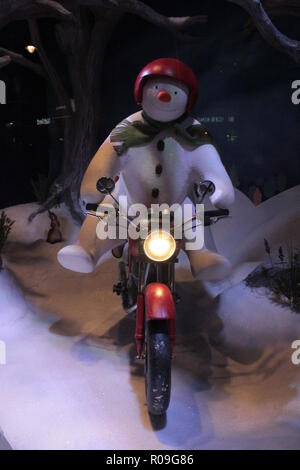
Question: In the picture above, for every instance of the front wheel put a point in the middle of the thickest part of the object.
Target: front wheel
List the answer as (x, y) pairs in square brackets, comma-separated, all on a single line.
[(158, 366)]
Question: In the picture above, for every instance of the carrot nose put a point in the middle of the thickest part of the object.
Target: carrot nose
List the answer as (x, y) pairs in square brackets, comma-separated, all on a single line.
[(164, 96)]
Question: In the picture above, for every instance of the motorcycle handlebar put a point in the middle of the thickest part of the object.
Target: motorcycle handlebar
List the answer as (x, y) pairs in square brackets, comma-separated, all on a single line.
[(216, 213), (208, 214), (91, 207)]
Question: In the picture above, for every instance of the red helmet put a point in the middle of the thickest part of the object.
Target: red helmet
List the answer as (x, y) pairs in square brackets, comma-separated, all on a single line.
[(168, 68)]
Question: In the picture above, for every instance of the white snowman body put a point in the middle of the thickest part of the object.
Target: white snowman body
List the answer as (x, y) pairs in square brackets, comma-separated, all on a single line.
[(161, 171), (165, 170)]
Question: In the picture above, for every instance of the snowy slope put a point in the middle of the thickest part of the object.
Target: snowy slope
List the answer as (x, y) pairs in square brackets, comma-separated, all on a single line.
[(71, 380), (29, 232), (277, 219)]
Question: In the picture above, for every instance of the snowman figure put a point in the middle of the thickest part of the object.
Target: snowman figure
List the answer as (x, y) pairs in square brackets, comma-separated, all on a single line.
[(160, 153)]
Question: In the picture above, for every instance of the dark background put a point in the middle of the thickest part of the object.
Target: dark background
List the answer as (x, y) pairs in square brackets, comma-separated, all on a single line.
[(244, 99)]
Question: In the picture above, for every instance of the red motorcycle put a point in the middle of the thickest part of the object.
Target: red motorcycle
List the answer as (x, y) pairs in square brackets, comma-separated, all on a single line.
[(147, 287)]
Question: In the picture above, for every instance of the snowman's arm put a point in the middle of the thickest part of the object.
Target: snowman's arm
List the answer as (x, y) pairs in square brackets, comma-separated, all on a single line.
[(207, 166), (105, 163)]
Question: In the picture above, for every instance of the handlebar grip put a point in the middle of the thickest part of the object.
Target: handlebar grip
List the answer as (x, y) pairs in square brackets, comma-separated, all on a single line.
[(217, 213)]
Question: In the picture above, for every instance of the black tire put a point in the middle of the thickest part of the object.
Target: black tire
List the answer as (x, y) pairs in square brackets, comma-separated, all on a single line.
[(158, 366)]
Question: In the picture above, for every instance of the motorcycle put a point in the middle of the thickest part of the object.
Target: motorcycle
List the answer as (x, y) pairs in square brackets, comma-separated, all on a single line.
[(147, 287)]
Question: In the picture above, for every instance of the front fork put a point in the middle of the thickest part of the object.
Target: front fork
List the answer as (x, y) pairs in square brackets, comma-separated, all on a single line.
[(155, 301), (139, 326)]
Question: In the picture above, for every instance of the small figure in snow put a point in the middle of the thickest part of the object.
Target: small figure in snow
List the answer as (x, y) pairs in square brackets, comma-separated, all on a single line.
[(160, 153), (54, 234), (5, 227)]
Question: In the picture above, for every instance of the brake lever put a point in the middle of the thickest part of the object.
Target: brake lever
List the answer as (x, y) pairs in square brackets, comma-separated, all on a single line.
[(214, 220)]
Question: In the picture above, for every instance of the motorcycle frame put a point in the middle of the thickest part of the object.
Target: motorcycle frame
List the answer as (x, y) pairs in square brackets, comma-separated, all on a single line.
[(160, 298), (154, 300)]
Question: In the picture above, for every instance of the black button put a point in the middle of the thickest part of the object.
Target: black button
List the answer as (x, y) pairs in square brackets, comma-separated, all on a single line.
[(155, 192), (158, 170), (160, 145)]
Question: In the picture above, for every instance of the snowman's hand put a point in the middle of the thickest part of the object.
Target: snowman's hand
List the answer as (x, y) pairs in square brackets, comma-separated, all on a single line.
[(222, 196), (105, 163), (207, 165)]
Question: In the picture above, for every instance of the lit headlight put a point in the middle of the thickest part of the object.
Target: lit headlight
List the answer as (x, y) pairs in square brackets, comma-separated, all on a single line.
[(159, 246)]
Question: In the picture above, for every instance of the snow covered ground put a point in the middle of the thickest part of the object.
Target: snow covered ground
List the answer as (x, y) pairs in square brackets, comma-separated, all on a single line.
[(71, 380)]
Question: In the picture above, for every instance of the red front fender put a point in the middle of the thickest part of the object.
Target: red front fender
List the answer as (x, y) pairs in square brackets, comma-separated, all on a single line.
[(159, 303)]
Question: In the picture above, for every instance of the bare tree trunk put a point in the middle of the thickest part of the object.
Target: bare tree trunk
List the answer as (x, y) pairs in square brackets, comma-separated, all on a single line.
[(85, 49)]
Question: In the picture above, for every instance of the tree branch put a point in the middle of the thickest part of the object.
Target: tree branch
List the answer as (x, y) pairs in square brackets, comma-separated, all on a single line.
[(4, 60), (268, 30), (55, 6), (176, 25), (21, 60), (183, 22), (48, 67), (11, 10), (14, 10), (149, 14), (282, 7)]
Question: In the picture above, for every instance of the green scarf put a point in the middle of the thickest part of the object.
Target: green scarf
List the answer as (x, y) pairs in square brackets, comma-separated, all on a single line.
[(132, 134)]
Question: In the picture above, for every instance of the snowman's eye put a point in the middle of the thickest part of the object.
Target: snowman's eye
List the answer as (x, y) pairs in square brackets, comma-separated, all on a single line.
[(175, 92), (156, 86)]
